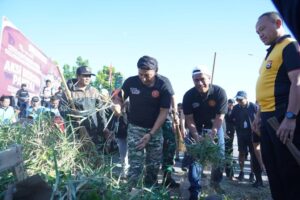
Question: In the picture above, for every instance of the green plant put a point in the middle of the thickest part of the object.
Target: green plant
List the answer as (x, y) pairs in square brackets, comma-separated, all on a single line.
[(206, 151), (73, 173)]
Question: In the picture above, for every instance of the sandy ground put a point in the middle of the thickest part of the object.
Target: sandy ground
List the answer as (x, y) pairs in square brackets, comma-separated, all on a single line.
[(234, 189)]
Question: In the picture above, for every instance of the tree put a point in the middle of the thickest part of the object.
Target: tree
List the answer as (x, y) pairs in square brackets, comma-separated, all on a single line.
[(70, 72), (81, 62), (118, 80), (108, 78)]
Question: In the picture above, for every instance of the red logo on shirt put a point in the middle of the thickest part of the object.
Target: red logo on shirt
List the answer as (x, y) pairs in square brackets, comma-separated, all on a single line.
[(155, 93), (212, 103)]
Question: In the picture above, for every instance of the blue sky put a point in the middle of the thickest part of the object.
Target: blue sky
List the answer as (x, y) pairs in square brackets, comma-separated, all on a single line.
[(179, 34)]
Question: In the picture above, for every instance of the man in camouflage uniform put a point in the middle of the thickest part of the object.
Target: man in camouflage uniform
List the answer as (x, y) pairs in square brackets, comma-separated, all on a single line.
[(150, 98), (169, 145)]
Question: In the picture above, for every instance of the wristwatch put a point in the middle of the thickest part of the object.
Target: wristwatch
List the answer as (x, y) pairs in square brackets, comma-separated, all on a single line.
[(290, 115)]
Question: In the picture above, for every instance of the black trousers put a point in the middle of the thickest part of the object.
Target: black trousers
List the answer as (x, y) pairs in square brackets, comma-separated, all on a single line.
[(282, 169), (245, 143), (228, 156)]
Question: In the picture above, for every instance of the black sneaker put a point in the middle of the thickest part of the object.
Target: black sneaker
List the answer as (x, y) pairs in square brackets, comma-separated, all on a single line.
[(217, 188), (170, 182), (185, 169), (229, 174), (231, 178), (258, 184), (241, 176), (251, 177)]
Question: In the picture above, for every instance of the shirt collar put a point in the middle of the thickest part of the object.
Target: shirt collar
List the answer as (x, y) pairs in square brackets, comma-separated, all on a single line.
[(278, 40), (75, 88), (246, 106), (209, 92), (4, 108)]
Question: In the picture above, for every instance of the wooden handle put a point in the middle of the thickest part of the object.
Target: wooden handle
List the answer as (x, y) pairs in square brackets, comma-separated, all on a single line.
[(292, 148), (180, 145), (67, 91)]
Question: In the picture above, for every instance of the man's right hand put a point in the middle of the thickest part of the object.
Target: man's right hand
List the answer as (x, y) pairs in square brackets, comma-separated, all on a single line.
[(143, 141), (116, 108), (198, 138)]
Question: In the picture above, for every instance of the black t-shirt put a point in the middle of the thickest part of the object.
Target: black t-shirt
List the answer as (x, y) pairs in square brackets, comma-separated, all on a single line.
[(22, 94), (229, 124), (145, 102), (243, 117), (205, 107), (169, 117), (167, 82)]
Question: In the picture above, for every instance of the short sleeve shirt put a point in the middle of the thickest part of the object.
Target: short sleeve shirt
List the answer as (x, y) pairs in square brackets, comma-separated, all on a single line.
[(205, 107), (22, 94), (145, 102), (243, 116), (273, 84)]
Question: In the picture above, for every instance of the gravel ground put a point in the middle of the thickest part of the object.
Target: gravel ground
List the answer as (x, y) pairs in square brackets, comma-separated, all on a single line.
[(234, 189)]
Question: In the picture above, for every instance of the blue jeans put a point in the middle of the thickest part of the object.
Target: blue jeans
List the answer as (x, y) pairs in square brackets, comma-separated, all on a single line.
[(195, 170), (23, 107)]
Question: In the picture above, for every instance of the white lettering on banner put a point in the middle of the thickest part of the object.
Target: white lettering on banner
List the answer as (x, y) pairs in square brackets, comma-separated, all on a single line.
[(12, 67), (29, 83), (17, 80), (21, 48), (37, 53), (31, 76), (21, 75), (12, 89), (22, 58)]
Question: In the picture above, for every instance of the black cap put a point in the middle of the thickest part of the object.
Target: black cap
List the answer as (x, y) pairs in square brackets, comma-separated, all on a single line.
[(84, 70), (231, 101), (147, 63), (241, 95), (35, 99)]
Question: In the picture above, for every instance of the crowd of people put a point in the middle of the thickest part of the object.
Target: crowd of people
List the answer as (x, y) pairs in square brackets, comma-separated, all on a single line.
[(22, 107), (143, 115)]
